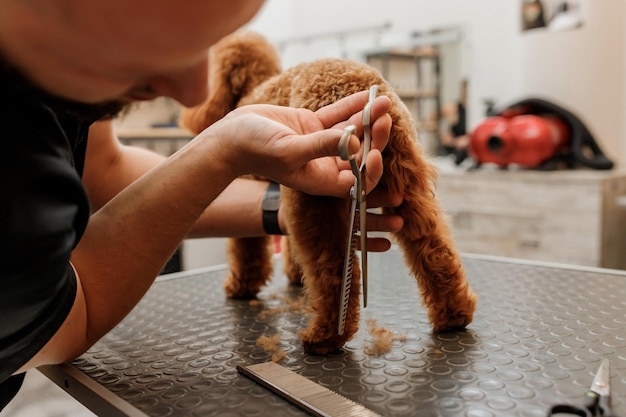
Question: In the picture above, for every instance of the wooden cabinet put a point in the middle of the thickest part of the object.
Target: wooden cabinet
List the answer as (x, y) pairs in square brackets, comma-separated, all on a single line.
[(415, 75), (576, 217)]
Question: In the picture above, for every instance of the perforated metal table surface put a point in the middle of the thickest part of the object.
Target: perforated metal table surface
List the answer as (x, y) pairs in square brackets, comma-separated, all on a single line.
[(538, 336)]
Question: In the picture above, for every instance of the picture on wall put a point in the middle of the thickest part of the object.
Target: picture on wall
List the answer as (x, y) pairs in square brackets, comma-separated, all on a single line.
[(554, 15)]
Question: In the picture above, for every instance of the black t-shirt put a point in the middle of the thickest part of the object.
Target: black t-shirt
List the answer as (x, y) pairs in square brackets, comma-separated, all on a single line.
[(43, 212)]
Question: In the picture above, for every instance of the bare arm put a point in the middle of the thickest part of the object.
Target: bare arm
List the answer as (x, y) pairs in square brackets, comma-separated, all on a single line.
[(236, 212), (111, 167)]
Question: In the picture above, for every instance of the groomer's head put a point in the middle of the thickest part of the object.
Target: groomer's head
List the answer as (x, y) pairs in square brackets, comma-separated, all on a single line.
[(108, 50)]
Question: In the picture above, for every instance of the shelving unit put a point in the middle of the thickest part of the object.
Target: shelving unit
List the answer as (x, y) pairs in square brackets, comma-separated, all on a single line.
[(415, 74)]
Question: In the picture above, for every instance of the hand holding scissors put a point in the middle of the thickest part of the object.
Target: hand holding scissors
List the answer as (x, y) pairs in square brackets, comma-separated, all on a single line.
[(597, 399), (359, 205)]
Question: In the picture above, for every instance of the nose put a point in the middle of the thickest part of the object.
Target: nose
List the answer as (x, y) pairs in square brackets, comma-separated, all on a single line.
[(189, 86)]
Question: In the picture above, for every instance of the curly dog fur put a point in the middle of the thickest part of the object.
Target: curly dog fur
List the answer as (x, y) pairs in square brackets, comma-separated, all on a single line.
[(245, 69)]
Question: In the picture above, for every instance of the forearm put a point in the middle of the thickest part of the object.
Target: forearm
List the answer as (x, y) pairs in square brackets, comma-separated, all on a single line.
[(236, 212), (112, 167), (130, 163), (130, 238), (126, 243)]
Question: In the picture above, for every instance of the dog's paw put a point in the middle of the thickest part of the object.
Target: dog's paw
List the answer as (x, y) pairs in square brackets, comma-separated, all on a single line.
[(452, 324), (234, 289), (321, 338), (321, 345), (456, 318)]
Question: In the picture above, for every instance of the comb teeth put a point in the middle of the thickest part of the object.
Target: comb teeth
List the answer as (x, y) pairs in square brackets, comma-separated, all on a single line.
[(347, 284), (304, 393)]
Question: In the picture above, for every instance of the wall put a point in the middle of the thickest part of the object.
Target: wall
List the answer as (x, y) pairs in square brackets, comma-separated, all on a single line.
[(583, 70), (490, 25)]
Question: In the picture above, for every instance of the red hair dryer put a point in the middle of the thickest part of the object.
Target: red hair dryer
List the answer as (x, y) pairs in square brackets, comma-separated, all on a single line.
[(526, 140), (534, 133)]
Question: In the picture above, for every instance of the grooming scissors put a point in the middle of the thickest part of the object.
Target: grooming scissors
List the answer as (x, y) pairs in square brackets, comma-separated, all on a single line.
[(597, 399), (357, 194)]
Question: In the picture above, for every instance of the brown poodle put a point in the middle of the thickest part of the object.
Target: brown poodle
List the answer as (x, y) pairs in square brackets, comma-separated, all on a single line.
[(245, 69)]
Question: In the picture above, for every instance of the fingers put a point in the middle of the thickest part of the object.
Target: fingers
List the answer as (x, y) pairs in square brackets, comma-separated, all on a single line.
[(391, 223), (380, 128), (380, 131), (379, 116), (343, 109), (377, 222), (324, 143), (374, 169), (380, 197), (349, 110), (376, 244)]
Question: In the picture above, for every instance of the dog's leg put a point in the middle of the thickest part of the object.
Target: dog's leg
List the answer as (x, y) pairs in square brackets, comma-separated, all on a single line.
[(318, 228), (437, 266), (290, 266), (428, 247), (251, 266)]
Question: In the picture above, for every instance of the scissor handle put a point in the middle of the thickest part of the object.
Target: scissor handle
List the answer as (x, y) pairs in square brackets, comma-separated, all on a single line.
[(367, 122), (344, 153), (595, 405), (567, 409)]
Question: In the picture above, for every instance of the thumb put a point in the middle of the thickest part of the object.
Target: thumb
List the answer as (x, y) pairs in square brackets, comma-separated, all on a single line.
[(325, 143)]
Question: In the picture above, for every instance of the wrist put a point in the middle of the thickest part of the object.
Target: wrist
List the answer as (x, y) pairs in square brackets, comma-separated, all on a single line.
[(270, 207), (219, 148)]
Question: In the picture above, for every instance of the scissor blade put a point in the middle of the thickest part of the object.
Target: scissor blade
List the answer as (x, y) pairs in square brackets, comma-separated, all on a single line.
[(600, 384), (347, 271), (367, 139), (363, 231)]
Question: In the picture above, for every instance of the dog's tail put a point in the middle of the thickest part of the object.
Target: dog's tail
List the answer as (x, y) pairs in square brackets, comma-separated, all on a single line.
[(238, 63)]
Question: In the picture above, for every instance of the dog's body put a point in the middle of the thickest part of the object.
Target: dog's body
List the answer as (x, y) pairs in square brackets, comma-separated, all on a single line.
[(245, 70)]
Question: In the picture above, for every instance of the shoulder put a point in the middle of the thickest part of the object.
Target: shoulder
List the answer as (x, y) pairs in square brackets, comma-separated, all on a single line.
[(9, 388), (43, 213)]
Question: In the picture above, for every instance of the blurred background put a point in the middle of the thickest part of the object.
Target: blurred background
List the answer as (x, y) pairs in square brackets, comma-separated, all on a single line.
[(451, 61)]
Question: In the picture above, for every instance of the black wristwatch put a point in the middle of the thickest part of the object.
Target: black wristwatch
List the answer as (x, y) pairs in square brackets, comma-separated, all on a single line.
[(271, 203)]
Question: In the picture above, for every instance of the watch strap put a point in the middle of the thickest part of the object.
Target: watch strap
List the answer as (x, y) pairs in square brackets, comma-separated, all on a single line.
[(271, 203)]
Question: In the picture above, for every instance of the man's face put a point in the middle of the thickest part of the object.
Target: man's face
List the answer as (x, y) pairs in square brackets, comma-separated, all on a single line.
[(121, 50)]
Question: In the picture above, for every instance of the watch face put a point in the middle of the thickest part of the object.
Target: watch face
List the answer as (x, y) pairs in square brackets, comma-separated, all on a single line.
[(271, 205), (271, 199)]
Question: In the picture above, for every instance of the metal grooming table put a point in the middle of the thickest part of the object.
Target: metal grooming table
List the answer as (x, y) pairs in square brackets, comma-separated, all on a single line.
[(538, 336)]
